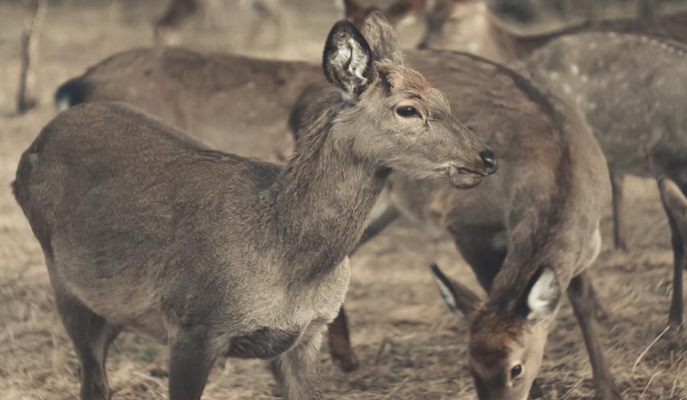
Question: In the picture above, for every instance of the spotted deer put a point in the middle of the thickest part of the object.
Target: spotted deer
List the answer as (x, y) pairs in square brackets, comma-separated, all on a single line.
[(469, 25), (632, 92), (529, 232), (144, 227)]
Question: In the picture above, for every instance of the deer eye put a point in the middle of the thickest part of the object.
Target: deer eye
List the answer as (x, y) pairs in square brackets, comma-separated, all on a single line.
[(407, 111), (515, 372)]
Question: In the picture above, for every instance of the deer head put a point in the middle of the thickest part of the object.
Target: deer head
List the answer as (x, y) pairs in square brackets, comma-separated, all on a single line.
[(506, 340), (390, 113)]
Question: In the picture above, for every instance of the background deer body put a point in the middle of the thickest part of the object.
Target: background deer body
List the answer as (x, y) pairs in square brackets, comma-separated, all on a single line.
[(632, 91), (468, 25), (192, 91), (541, 211), (220, 254)]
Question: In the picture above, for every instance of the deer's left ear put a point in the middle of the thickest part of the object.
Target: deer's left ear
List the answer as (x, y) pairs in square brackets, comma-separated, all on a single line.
[(543, 296), (457, 296), (347, 59)]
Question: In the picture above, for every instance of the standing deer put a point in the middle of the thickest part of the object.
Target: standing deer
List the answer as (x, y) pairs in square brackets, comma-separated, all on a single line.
[(144, 227), (632, 91), (529, 232), (197, 94), (472, 27)]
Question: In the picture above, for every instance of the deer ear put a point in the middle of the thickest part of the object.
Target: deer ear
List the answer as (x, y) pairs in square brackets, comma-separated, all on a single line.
[(382, 38), (456, 295), (674, 202), (347, 59), (543, 296)]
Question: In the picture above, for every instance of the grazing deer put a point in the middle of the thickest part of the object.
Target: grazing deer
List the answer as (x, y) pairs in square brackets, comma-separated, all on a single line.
[(398, 13), (632, 92), (144, 227), (193, 91), (529, 232)]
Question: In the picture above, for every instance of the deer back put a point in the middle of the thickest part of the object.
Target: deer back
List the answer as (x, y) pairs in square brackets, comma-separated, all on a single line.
[(233, 103), (631, 90)]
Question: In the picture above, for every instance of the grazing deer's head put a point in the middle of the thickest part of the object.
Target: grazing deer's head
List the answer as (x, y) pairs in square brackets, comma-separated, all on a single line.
[(506, 340), (391, 114)]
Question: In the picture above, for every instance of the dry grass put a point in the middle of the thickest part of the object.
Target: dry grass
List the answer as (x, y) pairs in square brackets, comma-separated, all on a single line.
[(409, 345)]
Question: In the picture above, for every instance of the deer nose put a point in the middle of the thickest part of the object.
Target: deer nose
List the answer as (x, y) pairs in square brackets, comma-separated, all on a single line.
[(490, 162)]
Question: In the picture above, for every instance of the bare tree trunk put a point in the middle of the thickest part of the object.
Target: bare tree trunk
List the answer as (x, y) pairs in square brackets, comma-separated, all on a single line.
[(647, 10), (597, 10), (30, 39), (567, 8)]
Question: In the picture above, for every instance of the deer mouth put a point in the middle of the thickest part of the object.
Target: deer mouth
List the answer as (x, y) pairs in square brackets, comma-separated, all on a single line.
[(462, 177)]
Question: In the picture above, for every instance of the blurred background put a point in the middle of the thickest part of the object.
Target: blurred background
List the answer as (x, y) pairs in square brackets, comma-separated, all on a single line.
[(409, 345)]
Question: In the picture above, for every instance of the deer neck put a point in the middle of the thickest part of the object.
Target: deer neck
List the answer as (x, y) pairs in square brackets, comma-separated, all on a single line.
[(321, 201)]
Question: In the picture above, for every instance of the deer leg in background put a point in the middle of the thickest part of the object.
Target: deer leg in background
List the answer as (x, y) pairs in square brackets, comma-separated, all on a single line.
[(91, 335), (619, 228), (338, 335), (647, 11), (190, 364), (676, 305), (297, 370), (377, 225), (29, 56), (340, 343), (599, 311), (579, 293)]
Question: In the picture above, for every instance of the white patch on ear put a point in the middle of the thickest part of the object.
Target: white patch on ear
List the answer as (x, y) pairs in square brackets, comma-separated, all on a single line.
[(544, 295), (358, 61), (446, 294), (351, 54)]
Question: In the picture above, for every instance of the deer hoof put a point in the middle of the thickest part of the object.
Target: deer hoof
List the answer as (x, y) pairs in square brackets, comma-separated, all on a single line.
[(346, 362)]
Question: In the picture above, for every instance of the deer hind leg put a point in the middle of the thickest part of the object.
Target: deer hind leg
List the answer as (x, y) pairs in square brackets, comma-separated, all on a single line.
[(339, 339), (583, 304), (619, 228), (297, 370), (676, 305), (190, 363), (339, 335), (91, 335)]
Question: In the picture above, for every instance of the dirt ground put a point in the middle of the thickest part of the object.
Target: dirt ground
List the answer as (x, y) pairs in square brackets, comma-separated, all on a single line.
[(410, 347)]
